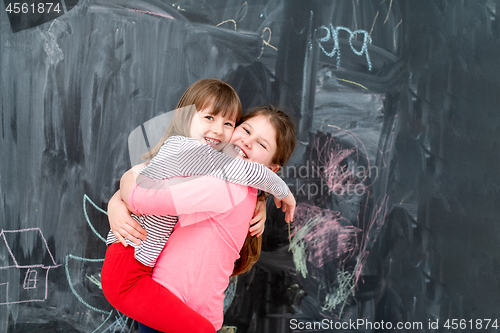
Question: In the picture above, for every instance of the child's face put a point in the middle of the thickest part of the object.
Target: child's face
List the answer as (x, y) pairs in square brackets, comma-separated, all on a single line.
[(254, 141), (213, 130)]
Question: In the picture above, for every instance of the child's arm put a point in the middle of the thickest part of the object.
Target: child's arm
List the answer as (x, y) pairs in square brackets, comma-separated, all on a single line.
[(180, 195), (258, 222), (121, 224), (182, 157)]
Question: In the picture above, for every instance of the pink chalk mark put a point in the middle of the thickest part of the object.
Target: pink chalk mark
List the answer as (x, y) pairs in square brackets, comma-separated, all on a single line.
[(377, 219), (2, 233), (326, 238)]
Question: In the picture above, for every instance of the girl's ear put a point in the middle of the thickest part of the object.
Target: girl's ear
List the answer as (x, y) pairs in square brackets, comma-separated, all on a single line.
[(274, 167)]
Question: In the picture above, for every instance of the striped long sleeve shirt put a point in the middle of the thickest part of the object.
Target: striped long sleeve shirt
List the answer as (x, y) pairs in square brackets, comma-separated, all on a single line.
[(183, 157)]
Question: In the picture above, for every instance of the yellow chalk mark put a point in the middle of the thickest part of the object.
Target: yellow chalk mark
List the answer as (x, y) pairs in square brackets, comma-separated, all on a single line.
[(352, 82), (375, 20), (230, 20), (266, 42), (269, 39), (354, 15), (390, 6), (335, 127)]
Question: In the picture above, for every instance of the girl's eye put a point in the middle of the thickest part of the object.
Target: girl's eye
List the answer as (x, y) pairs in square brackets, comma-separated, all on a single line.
[(209, 117), (229, 124), (262, 145), (246, 130)]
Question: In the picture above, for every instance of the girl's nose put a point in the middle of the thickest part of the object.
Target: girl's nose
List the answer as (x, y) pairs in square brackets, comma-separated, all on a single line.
[(216, 129), (246, 142)]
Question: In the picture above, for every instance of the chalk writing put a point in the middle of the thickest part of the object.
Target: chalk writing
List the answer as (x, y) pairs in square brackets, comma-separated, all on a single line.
[(333, 33), (33, 269)]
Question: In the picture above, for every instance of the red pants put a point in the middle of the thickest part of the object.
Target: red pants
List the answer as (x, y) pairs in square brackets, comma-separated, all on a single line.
[(129, 288)]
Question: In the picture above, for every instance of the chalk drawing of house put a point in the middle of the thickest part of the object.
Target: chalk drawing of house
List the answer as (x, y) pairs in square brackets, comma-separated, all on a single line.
[(25, 261)]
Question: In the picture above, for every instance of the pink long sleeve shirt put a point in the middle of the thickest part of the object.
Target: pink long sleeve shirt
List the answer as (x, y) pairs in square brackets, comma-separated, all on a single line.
[(199, 257)]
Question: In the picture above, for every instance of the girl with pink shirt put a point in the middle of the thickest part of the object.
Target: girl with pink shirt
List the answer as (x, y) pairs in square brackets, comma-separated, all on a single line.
[(199, 257)]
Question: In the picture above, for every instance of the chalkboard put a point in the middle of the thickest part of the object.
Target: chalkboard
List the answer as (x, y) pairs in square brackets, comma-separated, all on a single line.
[(397, 109)]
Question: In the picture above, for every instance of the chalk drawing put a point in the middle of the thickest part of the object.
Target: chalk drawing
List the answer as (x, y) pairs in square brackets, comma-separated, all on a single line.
[(346, 280), (36, 270), (352, 82), (30, 279), (388, 12), (122, 323), (333, 33), (95, 281), (373, 24), (230, 20), (266, 42), (85, 199), (68, 277), (242, 12), (314, 229), (151, 13), (395, 29)]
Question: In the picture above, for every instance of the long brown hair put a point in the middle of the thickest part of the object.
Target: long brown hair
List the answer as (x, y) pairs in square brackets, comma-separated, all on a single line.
[(201, 94), (285, 141)]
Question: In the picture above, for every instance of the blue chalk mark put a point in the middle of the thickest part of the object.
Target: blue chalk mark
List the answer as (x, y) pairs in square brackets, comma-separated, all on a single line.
[(71, 285), (104, 322), (86, 198), (333, 33)]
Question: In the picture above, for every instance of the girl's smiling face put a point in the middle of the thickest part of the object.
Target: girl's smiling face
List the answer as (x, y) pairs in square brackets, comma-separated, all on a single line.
[(213, 130), (254, 141)]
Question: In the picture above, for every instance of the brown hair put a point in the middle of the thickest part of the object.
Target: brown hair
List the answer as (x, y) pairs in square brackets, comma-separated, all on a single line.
[(285, 141), (202, 94)]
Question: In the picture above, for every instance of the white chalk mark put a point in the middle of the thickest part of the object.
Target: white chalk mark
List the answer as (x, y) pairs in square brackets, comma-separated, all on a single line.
[(86, 198), (230, 20), (243, 9), (354, 14), (151, 13), (104, 322), (95, 281), (333, 33), (30, 277), (395, 29), (341, 294), (120, 324)]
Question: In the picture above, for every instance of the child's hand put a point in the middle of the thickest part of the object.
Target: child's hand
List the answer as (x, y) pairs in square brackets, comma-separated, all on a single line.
[(122, 224), (288, 206), (258, 222)]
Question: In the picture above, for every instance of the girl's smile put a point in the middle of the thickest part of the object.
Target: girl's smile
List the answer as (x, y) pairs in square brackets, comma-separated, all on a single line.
[(254, 141)]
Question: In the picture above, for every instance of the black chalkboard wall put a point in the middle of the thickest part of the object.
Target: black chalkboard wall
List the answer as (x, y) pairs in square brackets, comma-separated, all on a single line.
[(397, 105)]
